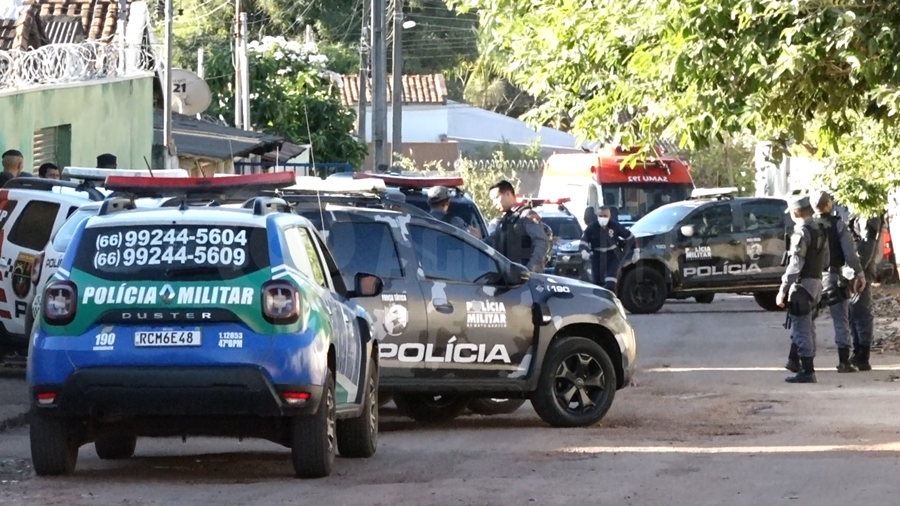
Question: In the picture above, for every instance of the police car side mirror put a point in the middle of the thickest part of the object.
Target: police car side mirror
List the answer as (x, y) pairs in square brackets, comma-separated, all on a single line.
[(687, 230), (366, 285), (516, 274)]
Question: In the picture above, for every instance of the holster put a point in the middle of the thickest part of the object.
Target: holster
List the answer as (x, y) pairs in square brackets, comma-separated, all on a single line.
[(800, 303), (836, 294)]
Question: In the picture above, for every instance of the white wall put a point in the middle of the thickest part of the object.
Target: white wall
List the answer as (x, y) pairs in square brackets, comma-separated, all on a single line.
[(421, 123), (472, 123)]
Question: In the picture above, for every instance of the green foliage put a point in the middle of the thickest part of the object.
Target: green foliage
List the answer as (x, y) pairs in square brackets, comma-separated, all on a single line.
[(291, 95), (701, 70), (724, 164)]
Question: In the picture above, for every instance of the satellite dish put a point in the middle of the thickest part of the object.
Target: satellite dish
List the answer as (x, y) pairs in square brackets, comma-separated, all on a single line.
[(190, 93)]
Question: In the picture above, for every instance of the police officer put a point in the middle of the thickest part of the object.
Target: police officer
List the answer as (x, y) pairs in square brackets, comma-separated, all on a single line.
[(519, 235), (801, 286), (439, 202), (836, 294), (867, 234), (602, 239)]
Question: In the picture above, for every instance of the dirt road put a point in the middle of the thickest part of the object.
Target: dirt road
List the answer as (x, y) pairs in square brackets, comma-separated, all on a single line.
[(709, 421)]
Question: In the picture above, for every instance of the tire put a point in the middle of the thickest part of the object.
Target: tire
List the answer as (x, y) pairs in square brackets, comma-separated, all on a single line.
[(313, 441), (427, 408), (643, 291), (569, 360), (54, 447), (115, 447), (766, 300), (706, 298), (489, 406), (358, 437), (384, 399)]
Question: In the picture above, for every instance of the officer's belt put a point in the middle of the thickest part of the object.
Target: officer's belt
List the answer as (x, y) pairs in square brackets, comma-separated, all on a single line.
[(608, 248)]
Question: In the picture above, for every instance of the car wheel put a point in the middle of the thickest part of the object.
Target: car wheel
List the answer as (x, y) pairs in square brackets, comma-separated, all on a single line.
[(384, 399), (427, 408), (115, 447), (313, 442), (766, 300), (494, 406), (577, 384), (54, 447), (358, 437), (706, 298), (643, 291)]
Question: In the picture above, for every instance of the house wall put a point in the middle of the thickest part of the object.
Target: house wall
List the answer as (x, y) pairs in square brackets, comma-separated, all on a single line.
[(106, 116), (421, 123), (423, 153)]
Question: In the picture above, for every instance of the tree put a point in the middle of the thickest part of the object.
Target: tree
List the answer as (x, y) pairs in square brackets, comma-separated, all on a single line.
[(807, 71), (293, 94)]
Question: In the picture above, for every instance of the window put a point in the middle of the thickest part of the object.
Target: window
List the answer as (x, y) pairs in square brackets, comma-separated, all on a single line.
[(763, 215), (564, 228), (634, 201), (448, 258), (313, 255), (337, 281), (67, 231), (52, 144), (364, 247), (298, 247), (33, 228), (712, 221)]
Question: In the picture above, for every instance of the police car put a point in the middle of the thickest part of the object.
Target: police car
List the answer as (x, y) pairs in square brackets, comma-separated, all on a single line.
[(204, 321), (712, 243), (458, 322)]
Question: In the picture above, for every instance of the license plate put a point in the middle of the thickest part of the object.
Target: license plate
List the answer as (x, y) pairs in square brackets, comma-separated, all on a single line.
[(167, 338)]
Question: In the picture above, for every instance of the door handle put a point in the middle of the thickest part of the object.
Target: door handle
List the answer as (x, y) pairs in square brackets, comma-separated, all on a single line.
[(442, 306)]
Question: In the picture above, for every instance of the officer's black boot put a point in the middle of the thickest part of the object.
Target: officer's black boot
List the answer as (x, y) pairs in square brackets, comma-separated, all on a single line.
[(861, 359), (844, 364), (793, 363), (807, 372)]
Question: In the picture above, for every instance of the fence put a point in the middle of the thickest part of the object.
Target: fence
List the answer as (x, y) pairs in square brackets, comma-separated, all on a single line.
[(322, 170), (78, 62)]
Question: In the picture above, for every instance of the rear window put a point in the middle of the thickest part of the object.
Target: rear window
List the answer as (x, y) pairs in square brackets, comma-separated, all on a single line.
[(563, 228), (364, 247), (35, 224), (172, 252), (64, 236)]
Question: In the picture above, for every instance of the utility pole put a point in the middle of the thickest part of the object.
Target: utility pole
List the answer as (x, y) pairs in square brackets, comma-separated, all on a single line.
[(238, 102), (397, 69), (363, 74), (245, 72), (120, 33), (167, 104), (379, 85), (201, 72)]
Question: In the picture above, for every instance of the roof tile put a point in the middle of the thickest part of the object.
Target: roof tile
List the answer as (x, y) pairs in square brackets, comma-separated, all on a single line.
[(417, 89), (98, 18)]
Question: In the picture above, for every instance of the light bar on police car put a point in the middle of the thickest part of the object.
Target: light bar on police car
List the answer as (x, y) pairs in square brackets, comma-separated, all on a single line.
[(712, 192), (251, 185), (96, 174), (318, 185), (542, 201), (413, 181)]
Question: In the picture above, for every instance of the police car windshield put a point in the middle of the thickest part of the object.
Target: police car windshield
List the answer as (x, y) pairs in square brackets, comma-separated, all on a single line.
[(172, 252), (662, 220), (64, 235), (566, 228)]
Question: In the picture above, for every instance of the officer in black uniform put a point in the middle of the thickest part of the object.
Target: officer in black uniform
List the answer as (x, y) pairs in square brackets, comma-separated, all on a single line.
[(439, 202), (602, 239), (801, 288), (519, 235), (837, 288), (867, 233)]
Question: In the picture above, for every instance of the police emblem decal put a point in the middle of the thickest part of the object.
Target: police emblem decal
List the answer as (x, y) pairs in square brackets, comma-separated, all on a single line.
[(21, 277), (167, 294)]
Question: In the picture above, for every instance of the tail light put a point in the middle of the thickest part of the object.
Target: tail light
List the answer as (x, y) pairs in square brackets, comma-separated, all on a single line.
[(886, 248), (36, 268), (280, 302), (60, 302)]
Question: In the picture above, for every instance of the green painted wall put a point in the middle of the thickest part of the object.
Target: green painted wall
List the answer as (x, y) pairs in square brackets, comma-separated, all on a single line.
[(105, 117)]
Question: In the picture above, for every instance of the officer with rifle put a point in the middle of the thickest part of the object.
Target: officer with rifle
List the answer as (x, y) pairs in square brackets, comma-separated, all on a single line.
[(801, 288), (519, 235), (837, 288)]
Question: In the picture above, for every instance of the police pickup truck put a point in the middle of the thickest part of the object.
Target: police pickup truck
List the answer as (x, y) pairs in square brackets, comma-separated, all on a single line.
[(712, 243), (458, 321)]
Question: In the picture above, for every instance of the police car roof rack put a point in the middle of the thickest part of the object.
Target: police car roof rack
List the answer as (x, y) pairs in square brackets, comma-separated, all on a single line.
[(535, 201), (225, 189), (267, 205), (100, 175), (311, 185), (43, 184), (415, 183), (714, 193), (115, 205)]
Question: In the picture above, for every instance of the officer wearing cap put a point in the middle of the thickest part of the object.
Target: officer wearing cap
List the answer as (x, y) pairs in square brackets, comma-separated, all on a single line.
[(106, 161), (837, 289), (519, 235), (439, 202), (801, 287)]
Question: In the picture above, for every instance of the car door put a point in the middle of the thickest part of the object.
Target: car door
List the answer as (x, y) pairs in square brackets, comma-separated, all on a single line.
[(399, 312), (477, 328), (764, 223), (713, 257)]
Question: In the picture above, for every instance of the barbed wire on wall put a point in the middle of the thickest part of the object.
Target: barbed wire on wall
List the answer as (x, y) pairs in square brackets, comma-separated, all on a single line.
[(68, 63), (490, 165)]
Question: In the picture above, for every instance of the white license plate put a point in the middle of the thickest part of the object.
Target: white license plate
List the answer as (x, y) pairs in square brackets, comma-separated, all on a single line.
[(167, 338)]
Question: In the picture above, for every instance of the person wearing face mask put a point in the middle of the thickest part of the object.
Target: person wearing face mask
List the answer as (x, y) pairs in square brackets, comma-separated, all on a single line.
[(601, 241), (801, 287)]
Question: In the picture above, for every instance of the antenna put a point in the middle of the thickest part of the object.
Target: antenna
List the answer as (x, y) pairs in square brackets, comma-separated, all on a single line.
[(148, 167), (190, 93), (312, 157)]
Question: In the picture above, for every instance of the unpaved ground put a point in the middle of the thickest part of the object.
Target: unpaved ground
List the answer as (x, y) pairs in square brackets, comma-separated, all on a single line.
[(709, 420)]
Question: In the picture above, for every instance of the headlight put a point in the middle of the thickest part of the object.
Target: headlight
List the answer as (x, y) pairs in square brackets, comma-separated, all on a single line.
[(566, 258)]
